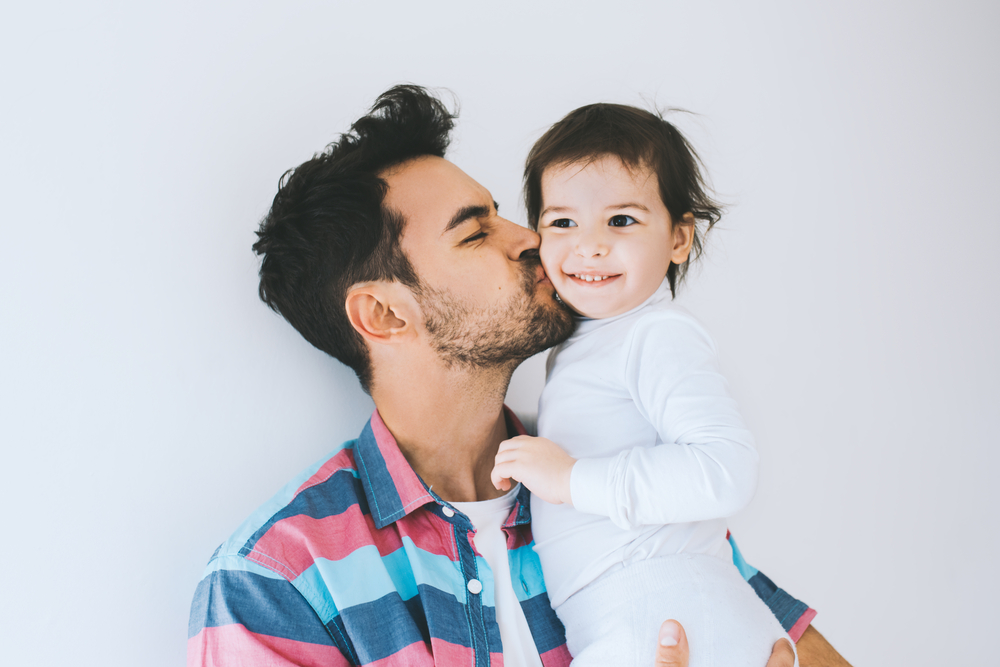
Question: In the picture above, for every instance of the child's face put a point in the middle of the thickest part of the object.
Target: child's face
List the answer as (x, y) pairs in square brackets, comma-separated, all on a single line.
[(607, 238)]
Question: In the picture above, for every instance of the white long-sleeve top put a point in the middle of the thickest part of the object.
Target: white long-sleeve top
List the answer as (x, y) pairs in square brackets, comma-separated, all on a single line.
[(663, 453)]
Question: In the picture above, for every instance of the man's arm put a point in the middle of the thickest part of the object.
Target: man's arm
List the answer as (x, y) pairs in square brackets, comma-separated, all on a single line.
[(815, 651), (245, 615), (794, 616)]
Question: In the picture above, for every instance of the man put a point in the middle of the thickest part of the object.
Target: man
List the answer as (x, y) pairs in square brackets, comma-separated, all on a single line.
[(391, 259)]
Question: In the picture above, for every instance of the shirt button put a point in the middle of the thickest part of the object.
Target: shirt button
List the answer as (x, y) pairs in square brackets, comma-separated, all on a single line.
[(448, 512), (475, 587)]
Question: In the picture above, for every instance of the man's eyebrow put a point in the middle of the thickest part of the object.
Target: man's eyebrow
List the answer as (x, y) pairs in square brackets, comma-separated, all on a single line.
[(467, 213)]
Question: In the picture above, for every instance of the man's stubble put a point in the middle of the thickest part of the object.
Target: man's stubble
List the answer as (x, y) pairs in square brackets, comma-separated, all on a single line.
[(500, 336)]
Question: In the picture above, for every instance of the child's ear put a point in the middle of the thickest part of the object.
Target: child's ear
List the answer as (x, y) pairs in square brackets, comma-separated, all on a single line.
[(381, 312), (682, 233)]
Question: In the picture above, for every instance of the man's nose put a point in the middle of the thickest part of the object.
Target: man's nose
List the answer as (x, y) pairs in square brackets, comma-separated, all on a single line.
[(522, 241)]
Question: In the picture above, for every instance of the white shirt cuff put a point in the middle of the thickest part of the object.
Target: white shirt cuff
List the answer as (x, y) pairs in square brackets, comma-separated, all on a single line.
[(589, 488)]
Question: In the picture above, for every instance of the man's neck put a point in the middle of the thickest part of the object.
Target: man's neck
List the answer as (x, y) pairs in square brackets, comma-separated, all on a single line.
[(448, 423)]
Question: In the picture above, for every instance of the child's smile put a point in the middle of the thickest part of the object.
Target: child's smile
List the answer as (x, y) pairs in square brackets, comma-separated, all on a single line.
[(591, 278), (607, 238)]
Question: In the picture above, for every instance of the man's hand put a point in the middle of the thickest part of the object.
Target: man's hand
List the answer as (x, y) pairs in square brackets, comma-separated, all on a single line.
[(538, 463), (673, 650)]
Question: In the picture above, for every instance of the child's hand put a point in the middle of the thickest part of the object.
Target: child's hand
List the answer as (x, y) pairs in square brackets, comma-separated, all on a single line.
[(538, 463)]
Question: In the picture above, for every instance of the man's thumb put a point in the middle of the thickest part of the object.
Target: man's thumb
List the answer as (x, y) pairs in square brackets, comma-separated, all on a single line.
[(672, 650)]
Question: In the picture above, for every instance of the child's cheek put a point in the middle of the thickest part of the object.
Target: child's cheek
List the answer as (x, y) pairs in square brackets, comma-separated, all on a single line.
[(548, 253)]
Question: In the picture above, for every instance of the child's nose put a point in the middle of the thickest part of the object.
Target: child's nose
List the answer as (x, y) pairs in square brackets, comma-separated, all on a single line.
[(592, 244)]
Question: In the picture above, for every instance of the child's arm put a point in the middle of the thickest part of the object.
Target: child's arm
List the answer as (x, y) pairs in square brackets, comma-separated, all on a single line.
[(706, 467)]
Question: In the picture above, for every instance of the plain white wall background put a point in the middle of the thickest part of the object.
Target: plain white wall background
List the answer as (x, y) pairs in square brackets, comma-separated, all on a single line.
[(149, 401)]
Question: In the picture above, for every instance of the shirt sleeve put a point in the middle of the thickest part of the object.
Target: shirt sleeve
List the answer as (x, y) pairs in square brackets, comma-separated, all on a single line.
[(706, 466), (794, 615), (245, 615)]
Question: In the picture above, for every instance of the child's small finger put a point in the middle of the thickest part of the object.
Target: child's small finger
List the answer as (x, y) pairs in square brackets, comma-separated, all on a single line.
[(497, 478), (504, 457), (507, 445), (501, 483)]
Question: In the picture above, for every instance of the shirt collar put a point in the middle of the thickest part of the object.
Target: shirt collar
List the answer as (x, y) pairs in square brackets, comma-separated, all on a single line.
[(392, 487), (520, 513), (587, 324)]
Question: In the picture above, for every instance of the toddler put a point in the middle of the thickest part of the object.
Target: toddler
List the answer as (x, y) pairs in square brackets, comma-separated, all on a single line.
[(629, 508)]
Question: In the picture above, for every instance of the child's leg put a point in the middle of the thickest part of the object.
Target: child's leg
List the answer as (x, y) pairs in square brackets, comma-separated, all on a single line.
[(615, 620)]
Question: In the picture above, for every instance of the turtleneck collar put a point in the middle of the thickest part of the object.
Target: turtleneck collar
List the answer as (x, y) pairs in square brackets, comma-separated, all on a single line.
[(588, 324)]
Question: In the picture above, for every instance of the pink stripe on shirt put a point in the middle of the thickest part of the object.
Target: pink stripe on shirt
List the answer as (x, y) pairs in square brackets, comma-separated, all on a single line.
[(795, 632), (408, 485), (342, 460), (416, 655), (234, 645), (557, 657), (296, 542), (446, 653)]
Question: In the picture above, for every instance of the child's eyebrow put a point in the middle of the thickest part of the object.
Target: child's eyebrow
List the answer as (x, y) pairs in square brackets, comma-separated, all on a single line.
[(555, 209), (637, 205)]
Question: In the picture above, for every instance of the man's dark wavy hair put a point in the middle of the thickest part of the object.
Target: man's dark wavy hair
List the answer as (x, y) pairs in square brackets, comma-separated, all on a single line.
[(640, 139), (329, 228)]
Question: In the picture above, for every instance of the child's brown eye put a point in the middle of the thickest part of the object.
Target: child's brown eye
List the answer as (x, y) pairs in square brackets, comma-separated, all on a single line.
[(622, 221), (563, 222)]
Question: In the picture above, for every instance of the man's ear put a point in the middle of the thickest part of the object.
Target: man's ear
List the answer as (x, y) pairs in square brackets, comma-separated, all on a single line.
[(381, 312), (682, 236)]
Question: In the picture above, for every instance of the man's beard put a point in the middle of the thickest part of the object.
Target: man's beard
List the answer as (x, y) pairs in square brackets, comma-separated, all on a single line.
[(502, 335)]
